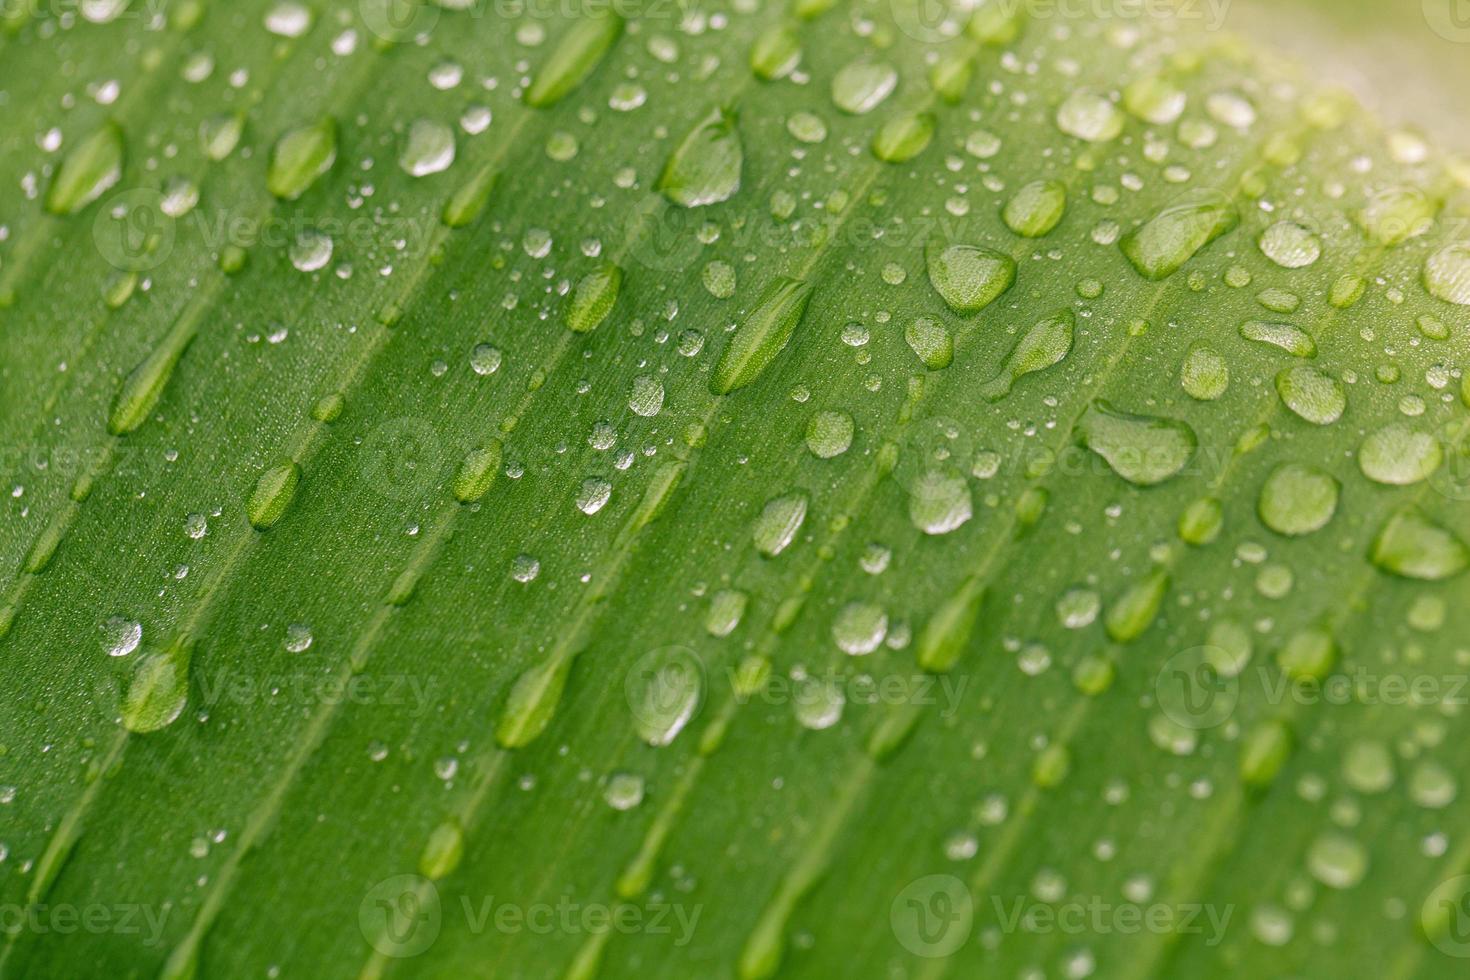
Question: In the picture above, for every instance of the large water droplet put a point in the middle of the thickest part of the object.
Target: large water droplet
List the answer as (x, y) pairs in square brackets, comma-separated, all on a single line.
[(1159, 247), (1314, 395), (1142, 449), (92, 166), (1297, 499), (968, 277), (1447, 274), (301, 156), (427, 149), (1398, 455), (705, 168), (1046, 344), (859, 86), (779, 520), (1412, 546)]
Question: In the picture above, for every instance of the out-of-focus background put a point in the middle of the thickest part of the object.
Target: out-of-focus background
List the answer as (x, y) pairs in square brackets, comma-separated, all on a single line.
[(1408, 59)]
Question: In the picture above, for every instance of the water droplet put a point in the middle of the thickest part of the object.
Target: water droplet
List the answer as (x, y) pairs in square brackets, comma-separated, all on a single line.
[(121, 636), (219, 135), (158, 691), (273, 493), (298, 638), (664, 691), (817, 703), (575, 56), (301, 156), (940, 502), (931, 341), (1308, 654), (427, 149), (1314, 395), (1447, 274), (524, 568), (646, 397), (442, 851), (829, 434), (1090, 116), (593, 495), (624, 790), (775, 53), (1297, 499), (763, 335), (288, 20), (1410, 545), (904, 137), (1283, 336), (705, 168), (726, 609), (860, 86), (1399, 456), (1046, 344), (1204, 375), (1337, 860), (1155, 99), (1160, 247), (1290, 245), (594, 298), (1036, 208), (1135, 610), (968, 277), (485, 359), (1367, 766), (859, 628), (1142, 449), (477, 472), (311, 250), (92, 166), (779, 520)]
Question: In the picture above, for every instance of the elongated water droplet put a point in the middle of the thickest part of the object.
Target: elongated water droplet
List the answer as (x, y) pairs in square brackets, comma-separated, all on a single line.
[(779, 520), (950, 77), (1399, 456), (1135, 610), (594, 298), (158, 691), (968, 277), (427, 149), (144, 385), (947, 634), (1201, 521), (1297, 499), (902, 138), (763, 335), (1410, 545), (1283, 336), (726, 609), (1308, 654), (467, 203), (1204, 375), (1142, 449), (1263, 752), (860, 86), (1314, 395), (300, 157), (996, 23), (219, 135), (705, 168), (1036, 208), (272, 495), (1158, 248), (1047, 343), (664, 690), (775, 53), (1447, 274), (931, 341), (940, 502), (532, 702), (1155, 99), (575, 56), (477, 473), (92, 166), (442, 851)]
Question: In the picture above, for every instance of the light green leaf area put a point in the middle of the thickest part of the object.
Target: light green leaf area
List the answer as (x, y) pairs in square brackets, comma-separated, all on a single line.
[(675, 494)]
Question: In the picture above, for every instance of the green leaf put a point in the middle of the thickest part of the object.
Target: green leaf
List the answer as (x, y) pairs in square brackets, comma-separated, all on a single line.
[(992, 489)]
